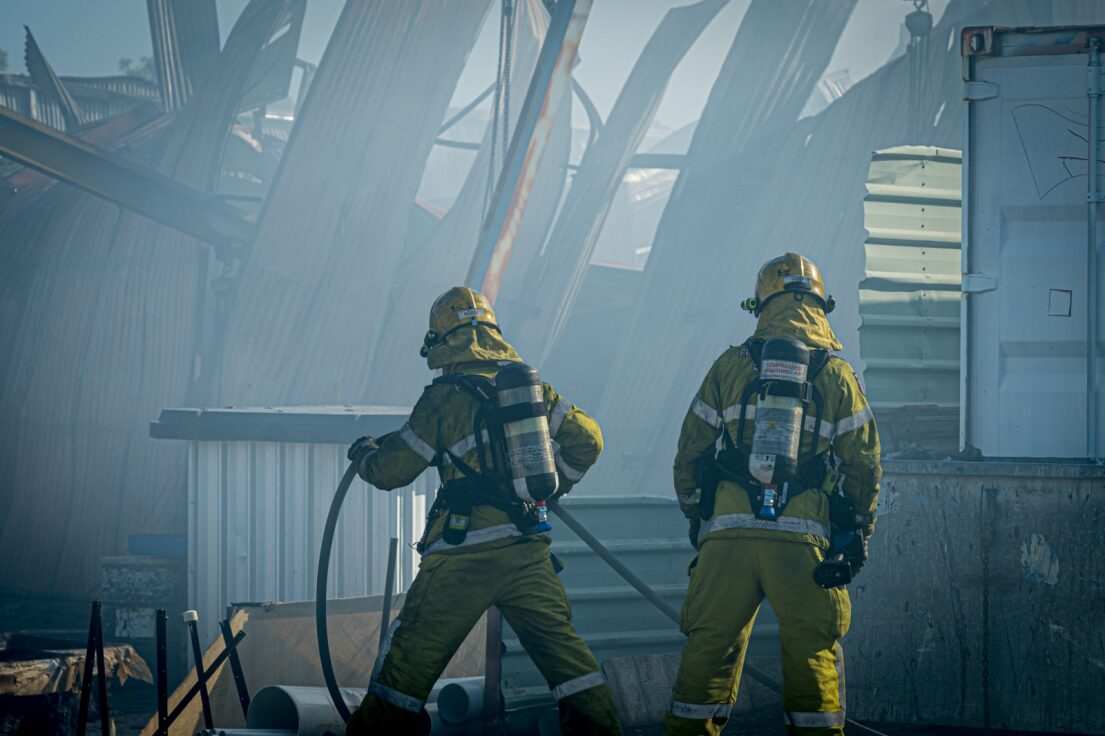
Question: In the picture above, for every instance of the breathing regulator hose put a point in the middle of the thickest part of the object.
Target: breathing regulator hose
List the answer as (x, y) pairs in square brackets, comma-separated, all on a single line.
[(320, 592)]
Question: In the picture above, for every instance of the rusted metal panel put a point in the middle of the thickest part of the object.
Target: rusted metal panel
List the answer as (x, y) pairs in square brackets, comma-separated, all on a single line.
[(307, 315), (554, 279), (550, 83), (981, 605), (102, 318)]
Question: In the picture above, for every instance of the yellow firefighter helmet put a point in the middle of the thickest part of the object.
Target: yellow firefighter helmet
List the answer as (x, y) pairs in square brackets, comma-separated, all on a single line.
[(793, 273), (457, 308)]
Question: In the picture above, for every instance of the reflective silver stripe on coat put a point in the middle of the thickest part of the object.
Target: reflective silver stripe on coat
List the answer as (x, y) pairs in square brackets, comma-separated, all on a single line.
[(854, 422), (706, 413), (416, 444), (700, 712), (396, 698), (748, 521), (798, 719), (578, 685), (559, 414), (567, 470), (479, 536), (465, 446), (826, 430)]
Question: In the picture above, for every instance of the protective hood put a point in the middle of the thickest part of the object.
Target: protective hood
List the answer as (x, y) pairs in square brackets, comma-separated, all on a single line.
[(477, 345), (802, 320)]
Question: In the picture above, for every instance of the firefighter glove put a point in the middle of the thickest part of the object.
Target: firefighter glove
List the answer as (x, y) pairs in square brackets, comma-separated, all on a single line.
[(359, 449)]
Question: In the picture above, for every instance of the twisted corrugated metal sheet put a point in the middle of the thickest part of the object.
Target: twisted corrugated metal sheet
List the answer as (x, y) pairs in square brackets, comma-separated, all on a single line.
[(105, 306), (554, 278), (317, 283)]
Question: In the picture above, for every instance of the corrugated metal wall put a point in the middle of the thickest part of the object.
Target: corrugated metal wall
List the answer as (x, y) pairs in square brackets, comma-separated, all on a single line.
[(256, 511), (909, 300), (102, 313)]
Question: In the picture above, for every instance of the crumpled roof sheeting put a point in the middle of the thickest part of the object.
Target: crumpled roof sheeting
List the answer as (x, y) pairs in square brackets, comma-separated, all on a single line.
[(398, 372), (778, 55), (318, 279), (102, 340), (555, 277)]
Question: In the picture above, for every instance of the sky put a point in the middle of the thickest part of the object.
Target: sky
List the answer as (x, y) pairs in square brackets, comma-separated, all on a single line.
[(88, 37)]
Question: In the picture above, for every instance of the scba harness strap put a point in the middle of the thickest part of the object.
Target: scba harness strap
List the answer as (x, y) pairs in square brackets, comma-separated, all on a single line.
[(730, 463), (478, 487)]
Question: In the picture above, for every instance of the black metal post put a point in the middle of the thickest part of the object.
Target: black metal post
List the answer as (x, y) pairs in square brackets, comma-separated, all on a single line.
[(235, 666), (192, 619), (389, 589), (162, 674), (105, 716), (493, 724), (210, 671), (86, 679)]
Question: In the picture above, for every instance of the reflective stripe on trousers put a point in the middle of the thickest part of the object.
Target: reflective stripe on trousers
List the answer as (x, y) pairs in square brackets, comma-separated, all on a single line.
[(383, 692), (814, 719), (396, 698), (479, 536), (749, 521), (823, 719), (699, 711), (578, 685)]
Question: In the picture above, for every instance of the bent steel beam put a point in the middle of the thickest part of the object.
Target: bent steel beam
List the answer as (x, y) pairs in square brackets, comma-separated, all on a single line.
[(117, 180), (550, 82)]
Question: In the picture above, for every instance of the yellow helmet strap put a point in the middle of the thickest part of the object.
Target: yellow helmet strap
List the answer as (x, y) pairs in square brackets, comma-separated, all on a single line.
[(432, 339), (756, 307)]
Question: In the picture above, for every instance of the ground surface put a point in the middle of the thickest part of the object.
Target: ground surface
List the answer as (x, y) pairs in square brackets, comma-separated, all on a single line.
[(768, 722)]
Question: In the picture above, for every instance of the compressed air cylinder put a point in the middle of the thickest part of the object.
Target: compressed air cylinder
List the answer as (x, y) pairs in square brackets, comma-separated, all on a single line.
[(528, 447), (778, 432)]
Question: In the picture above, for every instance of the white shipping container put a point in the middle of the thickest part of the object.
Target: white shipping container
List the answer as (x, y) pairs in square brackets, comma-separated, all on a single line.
[(1032, 271)]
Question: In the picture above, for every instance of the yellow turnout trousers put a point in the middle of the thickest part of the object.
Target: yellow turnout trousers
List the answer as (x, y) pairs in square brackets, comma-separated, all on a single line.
[(447, 598), (730, 578)]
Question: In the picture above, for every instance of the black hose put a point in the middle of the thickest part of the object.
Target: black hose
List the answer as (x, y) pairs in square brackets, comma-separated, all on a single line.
[(320, 592)]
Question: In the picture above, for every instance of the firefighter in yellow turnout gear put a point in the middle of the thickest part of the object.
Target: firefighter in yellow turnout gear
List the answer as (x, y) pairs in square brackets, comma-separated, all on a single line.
[(498, 562), (744, 557)]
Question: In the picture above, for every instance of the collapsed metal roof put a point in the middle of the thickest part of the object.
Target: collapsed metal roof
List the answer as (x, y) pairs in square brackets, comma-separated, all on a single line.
[(104, 316)]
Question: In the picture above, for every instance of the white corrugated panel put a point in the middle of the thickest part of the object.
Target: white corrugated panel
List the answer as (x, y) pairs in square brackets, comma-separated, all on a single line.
[(909, 300), (256, 512), (1027, 321)]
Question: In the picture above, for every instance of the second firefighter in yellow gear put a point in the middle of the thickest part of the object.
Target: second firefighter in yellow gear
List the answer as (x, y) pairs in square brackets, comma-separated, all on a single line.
[(498, 562), (743, 557)]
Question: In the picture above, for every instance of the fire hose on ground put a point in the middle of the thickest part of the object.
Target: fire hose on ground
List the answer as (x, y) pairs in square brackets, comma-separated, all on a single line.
[(569, 520)]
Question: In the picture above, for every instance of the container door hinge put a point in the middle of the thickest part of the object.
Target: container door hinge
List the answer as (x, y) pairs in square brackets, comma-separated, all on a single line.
[(977, 91), (975, 283)]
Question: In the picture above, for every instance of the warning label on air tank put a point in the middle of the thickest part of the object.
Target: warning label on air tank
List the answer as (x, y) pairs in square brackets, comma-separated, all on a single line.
[(783, 370)]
